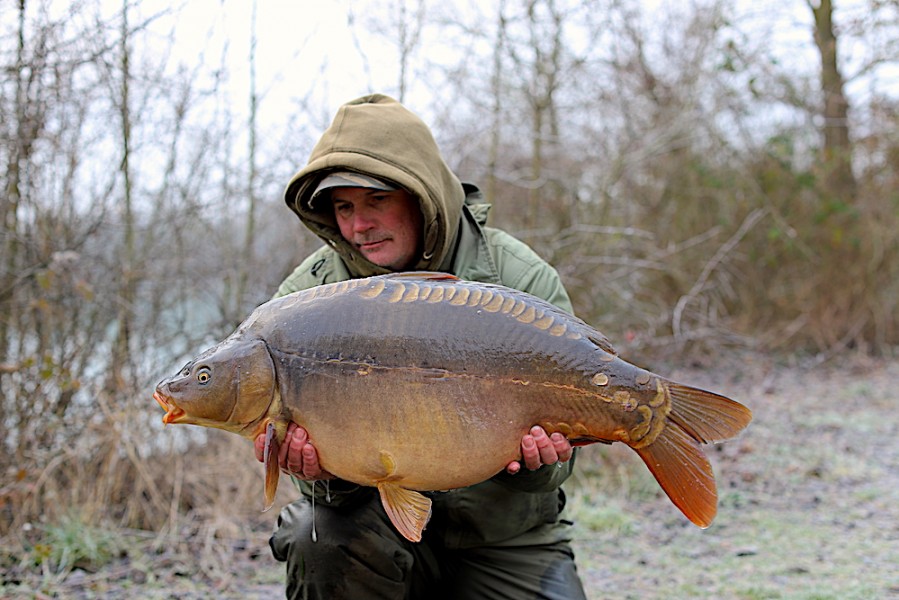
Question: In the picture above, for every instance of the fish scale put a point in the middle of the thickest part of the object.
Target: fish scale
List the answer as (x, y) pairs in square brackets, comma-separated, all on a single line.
[(390, 374), (407, 337)]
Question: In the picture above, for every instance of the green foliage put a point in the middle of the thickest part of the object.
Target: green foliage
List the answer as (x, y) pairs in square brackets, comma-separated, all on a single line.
[(601, 514), (606, 489), (72, 542)]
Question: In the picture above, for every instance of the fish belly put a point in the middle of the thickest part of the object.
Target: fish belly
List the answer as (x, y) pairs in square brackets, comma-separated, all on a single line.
[(423, 429)]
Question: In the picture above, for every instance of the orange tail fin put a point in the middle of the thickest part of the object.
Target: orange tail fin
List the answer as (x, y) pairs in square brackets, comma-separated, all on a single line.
[(707, 417), (676, 459)]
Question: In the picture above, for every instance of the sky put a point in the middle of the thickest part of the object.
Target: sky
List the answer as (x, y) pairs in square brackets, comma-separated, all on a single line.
[(302, 46), (306, 46)]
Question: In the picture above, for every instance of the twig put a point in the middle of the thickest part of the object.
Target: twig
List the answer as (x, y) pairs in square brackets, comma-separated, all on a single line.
[(842, 343), (710, 266)]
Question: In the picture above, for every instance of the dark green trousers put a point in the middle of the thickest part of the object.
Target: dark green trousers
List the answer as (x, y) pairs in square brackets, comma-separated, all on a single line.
[(359, 555)]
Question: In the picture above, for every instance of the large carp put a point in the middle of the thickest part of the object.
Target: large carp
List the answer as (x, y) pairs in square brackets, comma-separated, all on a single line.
[(390, 374)]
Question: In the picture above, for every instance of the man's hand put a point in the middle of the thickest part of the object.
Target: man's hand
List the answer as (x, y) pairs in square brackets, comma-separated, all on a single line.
[(296, 456), (538, 449)]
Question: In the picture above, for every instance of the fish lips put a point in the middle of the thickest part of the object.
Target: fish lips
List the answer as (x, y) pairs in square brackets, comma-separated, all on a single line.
[(173, 414)]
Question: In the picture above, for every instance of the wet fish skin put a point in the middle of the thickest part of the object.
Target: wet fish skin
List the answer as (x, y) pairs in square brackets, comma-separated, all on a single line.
[(388, 374)]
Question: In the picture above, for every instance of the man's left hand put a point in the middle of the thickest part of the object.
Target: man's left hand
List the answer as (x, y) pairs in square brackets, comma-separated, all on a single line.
[(538, 449)]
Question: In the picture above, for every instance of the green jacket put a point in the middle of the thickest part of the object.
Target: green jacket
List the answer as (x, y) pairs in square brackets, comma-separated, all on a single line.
[(507, 508)]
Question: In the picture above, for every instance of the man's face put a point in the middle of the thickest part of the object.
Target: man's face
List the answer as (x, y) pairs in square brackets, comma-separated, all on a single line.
[(385, 227)]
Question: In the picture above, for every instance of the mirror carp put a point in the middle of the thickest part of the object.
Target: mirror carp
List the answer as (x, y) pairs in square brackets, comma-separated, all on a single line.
[(389, 374)]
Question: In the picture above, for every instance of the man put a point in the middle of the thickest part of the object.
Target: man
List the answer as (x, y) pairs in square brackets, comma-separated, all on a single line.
[(378, 192)]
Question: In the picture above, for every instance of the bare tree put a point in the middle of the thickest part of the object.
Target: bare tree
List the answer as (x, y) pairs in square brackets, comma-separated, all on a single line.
[(546, 34), (496, 109), (408, 38), (399, 23), (837, 144), (20, 132), (121, 347), (247, 257)]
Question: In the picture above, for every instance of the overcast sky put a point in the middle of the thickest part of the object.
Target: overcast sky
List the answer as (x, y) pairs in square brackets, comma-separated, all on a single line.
[(307, 45)]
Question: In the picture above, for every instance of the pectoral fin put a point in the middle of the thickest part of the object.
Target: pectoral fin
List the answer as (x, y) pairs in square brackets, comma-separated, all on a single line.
[(270, 460), (408, 510)]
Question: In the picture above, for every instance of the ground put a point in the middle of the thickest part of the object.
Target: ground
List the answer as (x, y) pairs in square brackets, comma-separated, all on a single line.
[(808, 497), (808, 508)]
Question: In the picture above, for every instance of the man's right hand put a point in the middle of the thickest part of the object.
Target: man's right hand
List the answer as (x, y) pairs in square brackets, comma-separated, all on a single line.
[(296, 456)]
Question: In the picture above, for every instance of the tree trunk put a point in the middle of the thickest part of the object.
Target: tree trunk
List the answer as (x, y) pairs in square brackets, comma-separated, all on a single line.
[(9, 221), (120, 363), (837, 150), (247, 258), (496, 116)]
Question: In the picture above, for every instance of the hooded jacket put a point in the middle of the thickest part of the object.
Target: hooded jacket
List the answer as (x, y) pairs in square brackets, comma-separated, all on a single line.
[(377, 136)]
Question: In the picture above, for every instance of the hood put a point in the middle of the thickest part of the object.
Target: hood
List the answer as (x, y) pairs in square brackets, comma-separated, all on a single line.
[(376, 135)]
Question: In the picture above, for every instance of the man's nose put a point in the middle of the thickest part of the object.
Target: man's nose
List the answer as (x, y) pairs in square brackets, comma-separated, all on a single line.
[(362, 220)]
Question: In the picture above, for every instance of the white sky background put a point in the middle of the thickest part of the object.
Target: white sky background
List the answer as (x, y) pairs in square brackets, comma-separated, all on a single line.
[(306, 49)]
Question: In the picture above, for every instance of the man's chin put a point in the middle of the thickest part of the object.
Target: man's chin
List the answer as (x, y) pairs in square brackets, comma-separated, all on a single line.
[(383, 262), (379, 255), (378, 259)]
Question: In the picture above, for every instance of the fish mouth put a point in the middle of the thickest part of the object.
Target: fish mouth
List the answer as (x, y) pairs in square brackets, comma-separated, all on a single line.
[(173, 414)]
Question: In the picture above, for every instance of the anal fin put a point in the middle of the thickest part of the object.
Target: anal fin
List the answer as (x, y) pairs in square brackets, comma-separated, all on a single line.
[(270, 460), (408, 510)]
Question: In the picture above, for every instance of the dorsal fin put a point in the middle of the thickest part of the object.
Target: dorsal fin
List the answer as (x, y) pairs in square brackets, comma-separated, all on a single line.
[(602, 342)]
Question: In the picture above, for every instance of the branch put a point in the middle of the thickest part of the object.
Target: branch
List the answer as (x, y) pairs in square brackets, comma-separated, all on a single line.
[(748, 223)]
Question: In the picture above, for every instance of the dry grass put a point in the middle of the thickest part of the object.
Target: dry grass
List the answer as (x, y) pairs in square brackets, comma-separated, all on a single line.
[(106, 504), (703, 257)]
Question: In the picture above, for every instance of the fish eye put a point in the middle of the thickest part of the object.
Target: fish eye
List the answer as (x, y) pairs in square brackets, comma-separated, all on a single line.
[(204, 375)]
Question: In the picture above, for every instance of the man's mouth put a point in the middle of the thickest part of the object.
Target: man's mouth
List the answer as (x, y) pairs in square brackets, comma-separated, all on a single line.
[(371, 245)]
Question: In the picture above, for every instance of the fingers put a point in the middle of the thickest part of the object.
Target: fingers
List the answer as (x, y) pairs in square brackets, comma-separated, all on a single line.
[(538, 449), (513, 467), (259, 447), (563, 447), (530, 453), (259, 444), (296, 455), (546, 451), (311, 468)]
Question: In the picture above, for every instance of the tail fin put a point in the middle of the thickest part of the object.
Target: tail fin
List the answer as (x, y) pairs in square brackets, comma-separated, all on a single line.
[(707, 417), (676, 459), (682, 469)]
